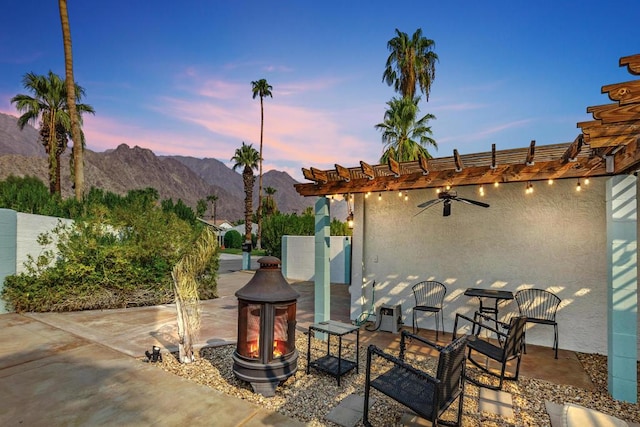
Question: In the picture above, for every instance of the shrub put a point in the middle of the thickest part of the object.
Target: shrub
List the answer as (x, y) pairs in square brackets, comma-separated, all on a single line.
[(233, 239)]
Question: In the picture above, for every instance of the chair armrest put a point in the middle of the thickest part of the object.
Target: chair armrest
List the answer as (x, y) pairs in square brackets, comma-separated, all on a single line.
[(491, 319), (477, 326), (373, 350), (404, 334)]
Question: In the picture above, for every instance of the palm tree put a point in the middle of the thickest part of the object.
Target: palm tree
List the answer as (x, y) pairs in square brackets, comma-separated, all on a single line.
[(269, 203), (247, 158), (260, 88), (76, 136), (49, 105), (411, 61), (213, 200), (405, 136)]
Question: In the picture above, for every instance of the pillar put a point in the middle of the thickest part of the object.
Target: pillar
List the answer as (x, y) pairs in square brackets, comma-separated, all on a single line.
[(322, 285), (622, 251), (8, 246)]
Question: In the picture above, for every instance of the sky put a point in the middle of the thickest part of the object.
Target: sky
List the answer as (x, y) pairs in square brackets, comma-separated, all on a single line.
[(175, 77)]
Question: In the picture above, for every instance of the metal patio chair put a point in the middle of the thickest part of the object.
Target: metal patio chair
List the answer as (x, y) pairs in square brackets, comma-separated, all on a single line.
[(429, 297), (539, 306), (426, 395), (508, 346)]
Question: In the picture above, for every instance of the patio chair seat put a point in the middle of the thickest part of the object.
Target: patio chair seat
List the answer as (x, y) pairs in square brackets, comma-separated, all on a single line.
[(426, 395)]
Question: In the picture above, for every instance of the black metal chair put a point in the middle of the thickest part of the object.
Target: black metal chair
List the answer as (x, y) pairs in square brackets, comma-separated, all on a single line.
[(427, 396), (539, 306), (507, 347), (429, 297)]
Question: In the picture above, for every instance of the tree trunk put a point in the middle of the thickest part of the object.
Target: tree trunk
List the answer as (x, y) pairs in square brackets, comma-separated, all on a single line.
[(78, 148), (259, 212)]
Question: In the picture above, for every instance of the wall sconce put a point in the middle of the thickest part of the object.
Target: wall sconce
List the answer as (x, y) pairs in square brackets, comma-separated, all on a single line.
[(350, 220)]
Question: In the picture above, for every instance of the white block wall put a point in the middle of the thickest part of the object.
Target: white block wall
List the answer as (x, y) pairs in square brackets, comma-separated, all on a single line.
[(298, 258), (28, 228)]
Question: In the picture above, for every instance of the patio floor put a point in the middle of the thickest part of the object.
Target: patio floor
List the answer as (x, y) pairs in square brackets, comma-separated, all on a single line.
[(538, 362)]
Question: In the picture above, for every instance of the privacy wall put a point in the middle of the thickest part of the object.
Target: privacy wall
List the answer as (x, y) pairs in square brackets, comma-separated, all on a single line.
[(298, 258), (19, 239), (553, 238)]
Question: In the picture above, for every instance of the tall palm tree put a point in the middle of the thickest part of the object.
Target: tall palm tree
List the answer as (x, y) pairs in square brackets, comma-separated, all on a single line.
[(411, 62), (78, 143), (260, 88), (247, 158), (404, 134), (49, 105), (269, 203), (213, 199)]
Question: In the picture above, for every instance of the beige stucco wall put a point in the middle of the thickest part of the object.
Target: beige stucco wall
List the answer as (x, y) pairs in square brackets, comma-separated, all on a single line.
[(553, 239)]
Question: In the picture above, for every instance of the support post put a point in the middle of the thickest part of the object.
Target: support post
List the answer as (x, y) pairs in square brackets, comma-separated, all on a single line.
[(622, 316), (322, 285), (8, 245)]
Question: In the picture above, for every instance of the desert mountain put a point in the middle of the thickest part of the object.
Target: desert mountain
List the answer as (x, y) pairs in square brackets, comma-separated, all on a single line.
[(124, 168)]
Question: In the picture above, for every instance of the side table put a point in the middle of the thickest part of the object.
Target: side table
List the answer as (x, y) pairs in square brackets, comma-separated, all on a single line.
[(331, 364)]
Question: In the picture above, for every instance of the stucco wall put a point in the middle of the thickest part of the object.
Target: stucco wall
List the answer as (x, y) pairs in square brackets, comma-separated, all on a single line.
[(298, 258), (554, 238), (27, 229)]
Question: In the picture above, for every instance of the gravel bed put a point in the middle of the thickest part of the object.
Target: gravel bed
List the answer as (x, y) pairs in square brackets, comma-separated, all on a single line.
[(309, 398)]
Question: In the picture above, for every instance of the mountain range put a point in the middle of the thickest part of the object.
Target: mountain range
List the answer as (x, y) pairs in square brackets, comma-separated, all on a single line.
[(127, 168)]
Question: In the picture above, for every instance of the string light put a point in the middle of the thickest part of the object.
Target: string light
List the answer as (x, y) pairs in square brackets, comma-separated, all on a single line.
[(550, 181), (586, 181), (379, 196), (399, 193), (448, 187), (578, 188), (368, 193), (406, 196), (481, 190), (438, 190), (529, 188), (495, 184)]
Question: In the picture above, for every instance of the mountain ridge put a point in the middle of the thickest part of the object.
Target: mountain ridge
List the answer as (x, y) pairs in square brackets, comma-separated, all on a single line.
[(127, 168)]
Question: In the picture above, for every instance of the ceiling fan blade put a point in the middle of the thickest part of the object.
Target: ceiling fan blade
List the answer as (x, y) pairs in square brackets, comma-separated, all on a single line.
[(472, 202), (429, 204)]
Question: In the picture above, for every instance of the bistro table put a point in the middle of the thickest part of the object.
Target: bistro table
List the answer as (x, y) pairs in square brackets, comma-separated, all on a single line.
[(334, 365), (496, 295)]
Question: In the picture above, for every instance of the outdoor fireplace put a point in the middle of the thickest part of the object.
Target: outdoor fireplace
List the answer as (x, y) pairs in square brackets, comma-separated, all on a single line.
[(266, 351)]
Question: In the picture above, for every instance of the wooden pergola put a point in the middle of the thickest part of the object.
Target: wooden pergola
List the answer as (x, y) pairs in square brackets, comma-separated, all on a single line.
[(607, 145)]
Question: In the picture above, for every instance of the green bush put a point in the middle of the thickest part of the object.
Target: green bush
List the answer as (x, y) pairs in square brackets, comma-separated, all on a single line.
[(233, 239), (120, 255)]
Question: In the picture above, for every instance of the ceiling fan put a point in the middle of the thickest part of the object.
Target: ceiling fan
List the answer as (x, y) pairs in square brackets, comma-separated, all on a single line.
[(446, 197)]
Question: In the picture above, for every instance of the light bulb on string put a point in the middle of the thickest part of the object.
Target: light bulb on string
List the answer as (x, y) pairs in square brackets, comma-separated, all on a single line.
[(379, 196), (406, 196), (550, 181), (578, 187), (586, 181), (496, 184), (399, 193), (481, 190)]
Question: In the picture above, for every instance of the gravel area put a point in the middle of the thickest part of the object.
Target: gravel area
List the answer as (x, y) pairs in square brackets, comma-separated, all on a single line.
[(309, 398)]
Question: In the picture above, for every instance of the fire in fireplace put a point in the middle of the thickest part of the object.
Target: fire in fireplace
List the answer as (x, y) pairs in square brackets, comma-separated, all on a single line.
[(266, 351)]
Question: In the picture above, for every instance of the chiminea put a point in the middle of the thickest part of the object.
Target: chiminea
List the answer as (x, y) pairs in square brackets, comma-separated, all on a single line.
[(266, 351)]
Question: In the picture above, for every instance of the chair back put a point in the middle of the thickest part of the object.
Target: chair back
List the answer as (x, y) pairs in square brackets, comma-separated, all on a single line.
[(515, 338), (429, 293), (451, 365), (538, 304)]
